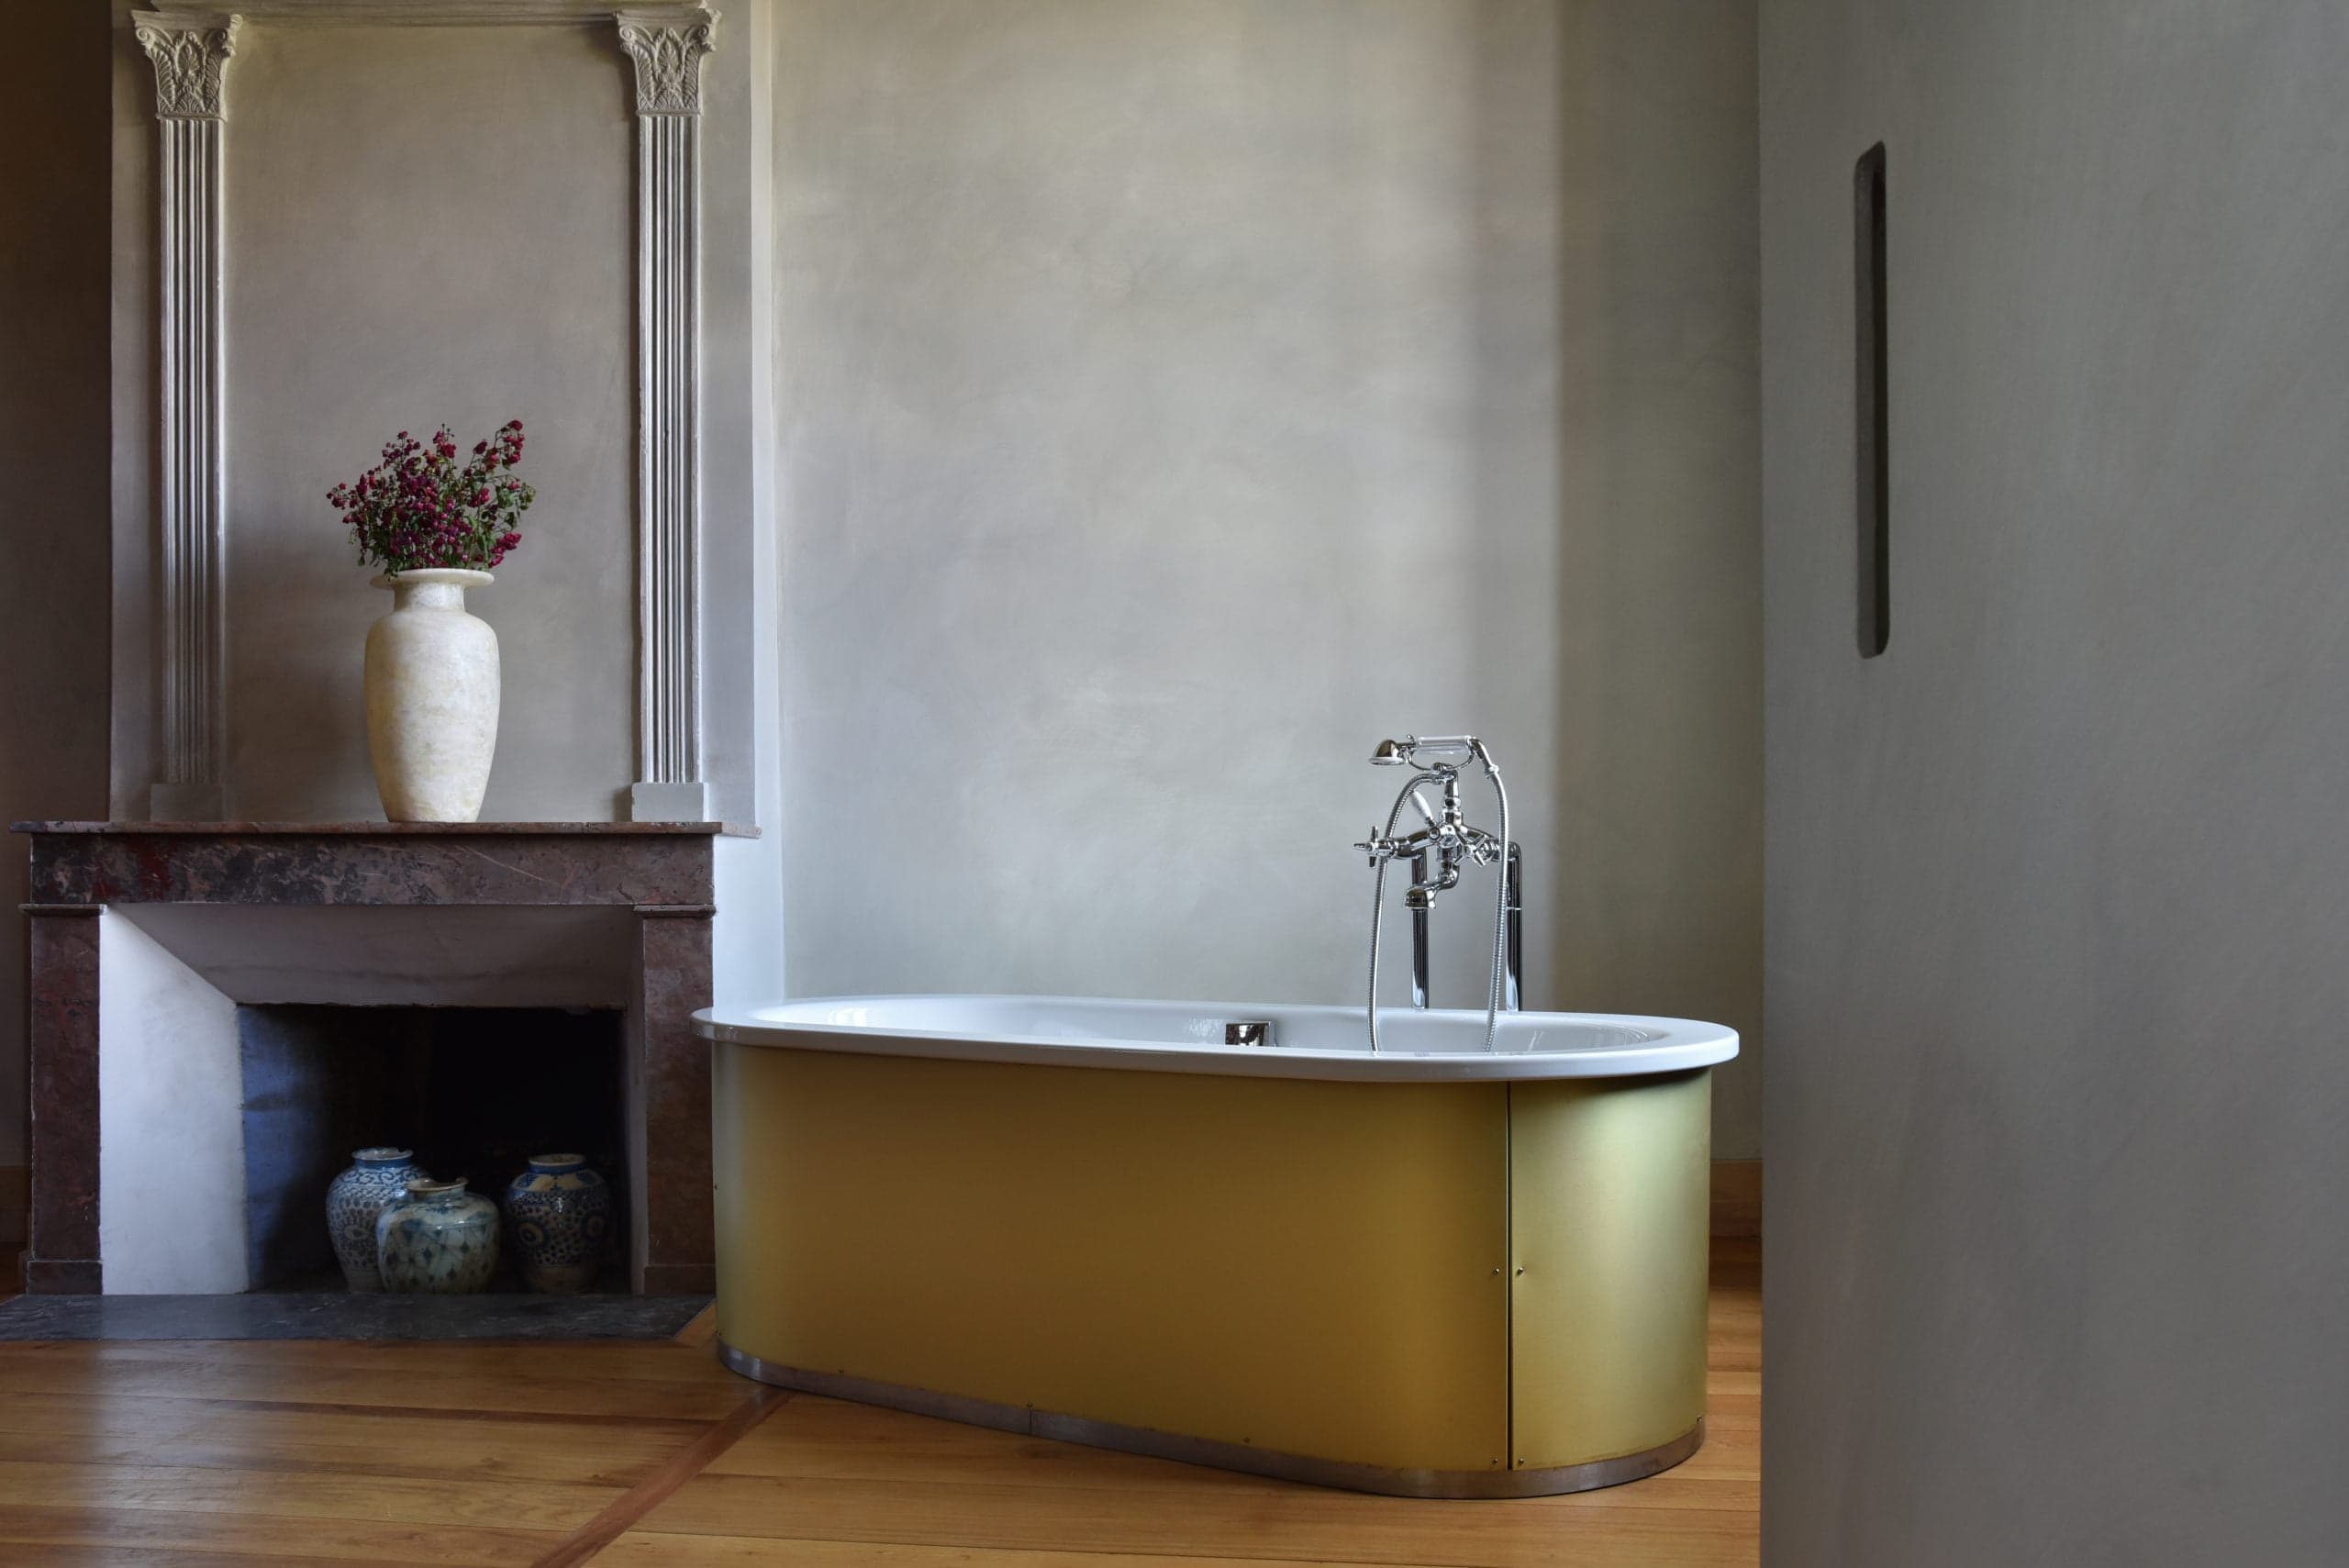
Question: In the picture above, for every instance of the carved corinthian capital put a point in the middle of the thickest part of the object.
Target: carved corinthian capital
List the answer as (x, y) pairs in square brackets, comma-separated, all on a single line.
[(189, 50), (667, 47)]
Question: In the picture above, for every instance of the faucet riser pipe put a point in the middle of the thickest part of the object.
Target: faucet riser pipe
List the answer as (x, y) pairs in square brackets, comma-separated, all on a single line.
[(1419, 934), (1513, 974)]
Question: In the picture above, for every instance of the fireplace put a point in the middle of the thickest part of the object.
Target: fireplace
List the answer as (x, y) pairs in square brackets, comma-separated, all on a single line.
[(221, 1012)]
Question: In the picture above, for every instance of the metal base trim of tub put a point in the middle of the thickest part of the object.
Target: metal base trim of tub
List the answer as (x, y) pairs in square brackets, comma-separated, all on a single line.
[(1336, 1473)]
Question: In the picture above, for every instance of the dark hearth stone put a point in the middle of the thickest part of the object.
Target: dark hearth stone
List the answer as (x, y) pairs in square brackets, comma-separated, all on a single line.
[(342, 1315)]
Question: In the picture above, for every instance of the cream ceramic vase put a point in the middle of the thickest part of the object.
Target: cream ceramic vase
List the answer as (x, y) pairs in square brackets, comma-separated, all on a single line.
[(439, 1239), (431, 697)]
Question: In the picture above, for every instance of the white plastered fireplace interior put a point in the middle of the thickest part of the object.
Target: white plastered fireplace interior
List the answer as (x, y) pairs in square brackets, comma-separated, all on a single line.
[(171, 1162)]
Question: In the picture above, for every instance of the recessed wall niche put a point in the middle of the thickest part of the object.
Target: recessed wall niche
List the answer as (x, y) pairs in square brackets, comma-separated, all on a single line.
[(1871, 403)]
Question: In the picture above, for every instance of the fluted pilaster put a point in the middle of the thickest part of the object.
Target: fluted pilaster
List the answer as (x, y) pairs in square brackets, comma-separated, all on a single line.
[(667, 47), (190, 53)]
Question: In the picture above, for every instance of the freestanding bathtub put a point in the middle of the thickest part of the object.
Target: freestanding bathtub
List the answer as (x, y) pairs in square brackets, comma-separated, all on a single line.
[(1435, 1271)]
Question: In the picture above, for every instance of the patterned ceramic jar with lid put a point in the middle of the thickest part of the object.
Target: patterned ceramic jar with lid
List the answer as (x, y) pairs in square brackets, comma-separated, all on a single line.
[(378, 1179), (558, 1214), (439, 1239)]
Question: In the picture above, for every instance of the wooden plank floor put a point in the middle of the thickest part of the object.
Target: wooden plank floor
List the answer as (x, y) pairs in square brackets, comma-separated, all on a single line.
[(199, 1455)]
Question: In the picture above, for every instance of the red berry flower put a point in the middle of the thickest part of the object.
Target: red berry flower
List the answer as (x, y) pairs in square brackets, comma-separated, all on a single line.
[(418, 509)]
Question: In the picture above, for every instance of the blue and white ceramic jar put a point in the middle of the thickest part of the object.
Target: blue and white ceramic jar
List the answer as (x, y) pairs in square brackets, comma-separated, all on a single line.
[(440, 1239), (378, 1179), (558, 1214)]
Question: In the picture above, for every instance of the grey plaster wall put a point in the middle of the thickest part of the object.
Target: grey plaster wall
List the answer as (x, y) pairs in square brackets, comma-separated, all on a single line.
[(429, 224), (53, 483), (1176, 399), (2058, 885)]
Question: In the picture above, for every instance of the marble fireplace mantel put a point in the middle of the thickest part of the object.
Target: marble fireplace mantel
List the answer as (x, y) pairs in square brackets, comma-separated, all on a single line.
[(655, 879)]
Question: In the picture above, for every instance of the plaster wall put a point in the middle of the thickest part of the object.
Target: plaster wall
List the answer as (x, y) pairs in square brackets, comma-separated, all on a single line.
[(2057, 883), (53, 475), (172, 1133), (1174, 400), (429, 224)]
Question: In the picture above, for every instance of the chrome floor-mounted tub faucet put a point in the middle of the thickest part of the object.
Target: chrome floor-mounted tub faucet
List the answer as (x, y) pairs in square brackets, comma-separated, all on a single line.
[(1436, 851)]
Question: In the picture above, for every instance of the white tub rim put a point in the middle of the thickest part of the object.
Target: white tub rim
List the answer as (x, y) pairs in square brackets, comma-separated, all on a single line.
[(1668, 1044)]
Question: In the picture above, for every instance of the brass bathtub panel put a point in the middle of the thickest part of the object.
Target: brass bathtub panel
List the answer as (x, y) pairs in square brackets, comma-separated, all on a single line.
[(1300, 1267), (1609, 1183)]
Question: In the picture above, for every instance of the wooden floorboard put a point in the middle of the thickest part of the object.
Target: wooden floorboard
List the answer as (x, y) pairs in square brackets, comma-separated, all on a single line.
[(60, 1532), (702, 1330), (625, 1511), (178, 1454), (496, 1455)]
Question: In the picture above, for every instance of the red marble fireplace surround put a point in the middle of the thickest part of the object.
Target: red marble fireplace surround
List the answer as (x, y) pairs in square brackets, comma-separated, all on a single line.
[(661, 873)]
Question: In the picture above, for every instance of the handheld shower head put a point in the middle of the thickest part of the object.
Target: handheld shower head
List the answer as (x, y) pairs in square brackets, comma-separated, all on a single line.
[(1418, 753)]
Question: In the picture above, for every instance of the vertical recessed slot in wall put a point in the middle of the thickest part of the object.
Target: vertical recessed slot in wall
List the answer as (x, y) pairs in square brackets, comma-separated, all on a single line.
[(1871, 418)]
